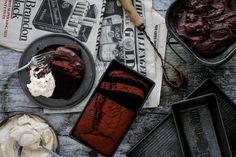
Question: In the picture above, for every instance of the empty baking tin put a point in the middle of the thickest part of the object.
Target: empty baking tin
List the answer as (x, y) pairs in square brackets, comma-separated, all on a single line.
[(161, 141), (152, 145), (200, 127)]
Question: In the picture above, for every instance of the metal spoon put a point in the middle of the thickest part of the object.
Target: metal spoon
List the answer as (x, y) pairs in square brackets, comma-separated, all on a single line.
[(19, 148), (49, 151)]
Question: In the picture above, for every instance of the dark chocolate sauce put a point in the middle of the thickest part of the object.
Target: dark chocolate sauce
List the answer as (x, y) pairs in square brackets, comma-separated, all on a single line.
[(208, 26)]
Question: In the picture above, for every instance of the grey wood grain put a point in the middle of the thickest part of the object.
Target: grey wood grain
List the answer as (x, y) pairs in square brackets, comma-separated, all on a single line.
[(13, 100)]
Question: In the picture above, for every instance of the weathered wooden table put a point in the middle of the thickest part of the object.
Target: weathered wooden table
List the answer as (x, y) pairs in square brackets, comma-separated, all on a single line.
[(13, 100)]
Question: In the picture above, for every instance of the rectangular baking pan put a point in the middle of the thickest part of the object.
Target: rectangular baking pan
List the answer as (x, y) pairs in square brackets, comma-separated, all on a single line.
[(150, 146), (200, 127), (161, 141), (114, 65), (171, 13), (227, 109)]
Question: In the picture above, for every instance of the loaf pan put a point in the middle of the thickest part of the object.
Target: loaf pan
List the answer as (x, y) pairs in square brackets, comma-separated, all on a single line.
[(200, 127), (161, 141), (227, 109), (128, 102)]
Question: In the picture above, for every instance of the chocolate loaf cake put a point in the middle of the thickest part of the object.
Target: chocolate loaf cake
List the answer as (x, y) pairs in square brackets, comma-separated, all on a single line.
[(103, 124)]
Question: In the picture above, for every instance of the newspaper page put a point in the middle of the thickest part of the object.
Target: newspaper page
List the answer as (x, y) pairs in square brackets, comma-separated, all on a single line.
[(23, 21), (120, 40), (158, 34)]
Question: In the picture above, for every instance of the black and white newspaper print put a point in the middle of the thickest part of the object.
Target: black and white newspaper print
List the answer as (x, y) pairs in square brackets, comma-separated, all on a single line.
[(23, 21)]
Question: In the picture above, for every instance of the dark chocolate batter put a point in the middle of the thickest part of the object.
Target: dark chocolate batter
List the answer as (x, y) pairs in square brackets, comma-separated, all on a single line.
[(208, 26)]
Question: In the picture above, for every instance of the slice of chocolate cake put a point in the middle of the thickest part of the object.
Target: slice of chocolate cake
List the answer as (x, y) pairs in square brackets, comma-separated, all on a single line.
[(65, 68), (69, 61), (68, 70), (122, 88), (123, 94), (127, 78), (74, 48)]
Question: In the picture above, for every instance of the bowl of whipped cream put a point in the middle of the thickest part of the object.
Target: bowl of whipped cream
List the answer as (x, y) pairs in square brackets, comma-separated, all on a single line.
[(27, 131), (65, 79)]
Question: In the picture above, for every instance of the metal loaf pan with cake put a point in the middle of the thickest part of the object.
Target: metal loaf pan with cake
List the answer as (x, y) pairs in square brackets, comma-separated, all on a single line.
[(111, 109), (200, 127), (216, 60)]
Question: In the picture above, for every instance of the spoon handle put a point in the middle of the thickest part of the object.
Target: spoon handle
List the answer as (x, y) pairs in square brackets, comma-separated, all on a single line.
[(50, 152)]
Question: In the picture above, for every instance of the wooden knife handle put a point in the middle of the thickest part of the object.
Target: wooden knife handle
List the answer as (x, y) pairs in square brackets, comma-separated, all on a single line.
[(132, 12)]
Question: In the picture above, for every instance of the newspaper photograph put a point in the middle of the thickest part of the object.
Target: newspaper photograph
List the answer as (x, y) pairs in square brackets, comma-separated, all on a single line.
[(103, 26), (23, 21)]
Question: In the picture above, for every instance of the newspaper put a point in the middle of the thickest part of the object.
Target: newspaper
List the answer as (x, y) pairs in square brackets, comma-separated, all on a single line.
[(107, 32), (23, 21)]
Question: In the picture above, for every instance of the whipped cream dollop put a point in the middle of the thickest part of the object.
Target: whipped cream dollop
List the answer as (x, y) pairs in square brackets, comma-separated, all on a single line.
[(27, 131), (41, 84)]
